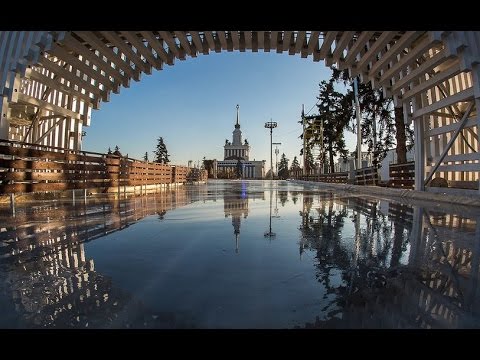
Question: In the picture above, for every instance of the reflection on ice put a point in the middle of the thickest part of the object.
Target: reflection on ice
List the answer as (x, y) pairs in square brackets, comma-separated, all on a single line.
[(364, 262)]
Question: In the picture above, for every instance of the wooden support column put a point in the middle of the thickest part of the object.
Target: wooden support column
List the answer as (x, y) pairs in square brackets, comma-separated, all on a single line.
[(4, 122)]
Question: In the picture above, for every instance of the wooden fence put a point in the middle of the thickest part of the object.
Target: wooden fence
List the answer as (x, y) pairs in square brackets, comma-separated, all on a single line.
[(402, 175), (28, 168)]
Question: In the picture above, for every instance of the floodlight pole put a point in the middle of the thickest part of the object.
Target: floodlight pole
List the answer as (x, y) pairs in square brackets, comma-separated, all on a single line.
[(271, 125)]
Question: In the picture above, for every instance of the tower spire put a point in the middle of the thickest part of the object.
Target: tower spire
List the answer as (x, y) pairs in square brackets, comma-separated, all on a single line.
[(237, 125)]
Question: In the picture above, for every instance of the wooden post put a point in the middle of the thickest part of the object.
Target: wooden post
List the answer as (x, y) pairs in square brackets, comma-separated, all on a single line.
[(12, 203)]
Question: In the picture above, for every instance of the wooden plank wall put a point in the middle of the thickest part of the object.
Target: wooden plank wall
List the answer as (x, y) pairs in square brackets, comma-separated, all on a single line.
[(28, 168)]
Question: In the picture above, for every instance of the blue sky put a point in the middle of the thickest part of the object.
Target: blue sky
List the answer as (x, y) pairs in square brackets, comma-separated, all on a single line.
[(192, 105)]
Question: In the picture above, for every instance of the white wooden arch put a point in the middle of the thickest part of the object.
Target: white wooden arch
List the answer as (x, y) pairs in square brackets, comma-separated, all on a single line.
[(51, 80)]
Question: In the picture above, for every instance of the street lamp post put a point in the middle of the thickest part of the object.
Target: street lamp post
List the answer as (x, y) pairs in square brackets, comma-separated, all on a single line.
[(276, 156), (271, 125)]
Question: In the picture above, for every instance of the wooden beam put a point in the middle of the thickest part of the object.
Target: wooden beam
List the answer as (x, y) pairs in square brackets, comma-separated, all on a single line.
[(286, 40), (223, 39), (210, 41), (436, 80), (235, 39), (312, 42), (326, 45), (248, 39), (357, 46), (110, 54), (460, 126), (61, 53), (404, 42), (182, 37), (463, 95), (373, 51), (87, 54), (299, 41), (342, 44), (201, 46), (459, 157), (157, 45), (449, 128), (48, 106), (56, 84), (420, 70), (121, 45), (407, 59), (142, 50), (73, 78)]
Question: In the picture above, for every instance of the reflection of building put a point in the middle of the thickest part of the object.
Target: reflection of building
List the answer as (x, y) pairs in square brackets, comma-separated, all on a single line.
[(236, 206), (236, 159)]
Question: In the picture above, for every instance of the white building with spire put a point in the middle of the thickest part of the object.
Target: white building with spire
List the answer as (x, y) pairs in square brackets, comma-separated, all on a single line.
[(236, 161)]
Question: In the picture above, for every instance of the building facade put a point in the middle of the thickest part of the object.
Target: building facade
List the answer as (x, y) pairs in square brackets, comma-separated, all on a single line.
[(236, 161)]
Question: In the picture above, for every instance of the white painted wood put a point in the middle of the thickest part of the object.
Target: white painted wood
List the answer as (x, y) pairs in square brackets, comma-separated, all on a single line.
[(460, 96), (326, 45), (449, 128), (362, 39), (46, 105), (373, 51), (108, 52), (436, 80), (342, 44), (459, 157), (120, 44), (142, 49)]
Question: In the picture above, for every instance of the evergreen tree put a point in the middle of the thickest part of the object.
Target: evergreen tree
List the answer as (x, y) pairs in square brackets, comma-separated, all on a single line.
[(109, 152), (309, 163), (391, 128), (283, 167), (334, 112), (295, 164), (161, 153), (145, 157)]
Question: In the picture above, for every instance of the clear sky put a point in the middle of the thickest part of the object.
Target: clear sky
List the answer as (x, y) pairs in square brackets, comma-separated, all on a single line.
[(192, 105)]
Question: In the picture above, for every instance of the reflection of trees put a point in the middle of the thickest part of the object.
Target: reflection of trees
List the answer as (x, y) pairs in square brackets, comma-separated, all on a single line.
[(370, 281), (282, 196)]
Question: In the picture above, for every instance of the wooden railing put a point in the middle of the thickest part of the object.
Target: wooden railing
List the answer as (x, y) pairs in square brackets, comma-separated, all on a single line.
[(366, 176), (28, 168), (402, 175), (340, 177)]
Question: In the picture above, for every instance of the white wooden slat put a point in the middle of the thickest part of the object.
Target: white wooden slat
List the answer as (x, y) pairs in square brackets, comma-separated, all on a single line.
[(89, 55), (109, 53), (464, 95), (46, 105), (402, 43), (449, 128), (120, 44), (133, 39), (342, 44), (436, 80), (357, 46), (373, 51), (407, 59), (422, 69), (326, 45), (459, 157), (61, 53)]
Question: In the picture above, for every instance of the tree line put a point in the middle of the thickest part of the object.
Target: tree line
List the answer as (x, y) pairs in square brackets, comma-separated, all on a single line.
[(160, 153)]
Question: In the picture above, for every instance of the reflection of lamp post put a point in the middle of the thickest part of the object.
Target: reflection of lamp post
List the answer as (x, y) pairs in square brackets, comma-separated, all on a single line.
[(269, 233), (271, 125), (276, 156)]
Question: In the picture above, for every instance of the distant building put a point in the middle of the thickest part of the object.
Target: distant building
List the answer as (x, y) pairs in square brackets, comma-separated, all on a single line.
[(236, 161)]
